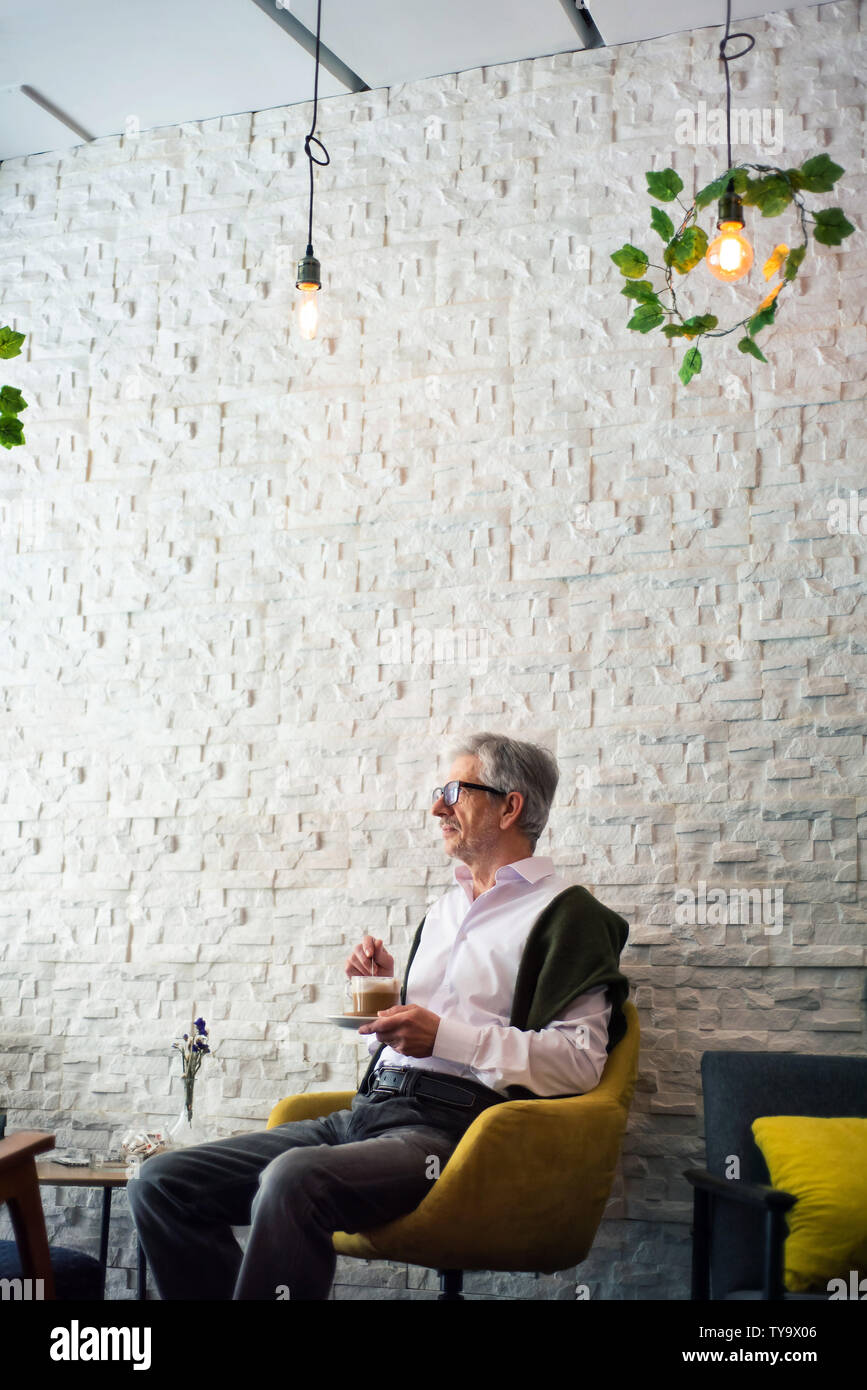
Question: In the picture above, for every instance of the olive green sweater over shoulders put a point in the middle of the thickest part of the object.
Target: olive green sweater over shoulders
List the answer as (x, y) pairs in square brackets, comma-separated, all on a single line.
[(573, 946)]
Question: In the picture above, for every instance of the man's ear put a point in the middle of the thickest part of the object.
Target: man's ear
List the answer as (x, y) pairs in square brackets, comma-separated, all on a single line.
[(512, 807)]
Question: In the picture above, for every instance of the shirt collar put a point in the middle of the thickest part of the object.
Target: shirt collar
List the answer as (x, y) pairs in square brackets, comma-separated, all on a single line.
[(531, 870)]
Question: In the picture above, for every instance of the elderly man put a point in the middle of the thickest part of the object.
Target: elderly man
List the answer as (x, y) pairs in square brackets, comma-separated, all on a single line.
[(512, 989)]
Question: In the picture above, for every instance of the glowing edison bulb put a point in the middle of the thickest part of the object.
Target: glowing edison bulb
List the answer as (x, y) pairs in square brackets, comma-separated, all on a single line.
[(308, 280), (307, 311), (729, 255)]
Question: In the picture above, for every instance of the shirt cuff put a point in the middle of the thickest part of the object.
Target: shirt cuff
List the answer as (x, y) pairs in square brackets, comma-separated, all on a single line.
[(456, 1042)]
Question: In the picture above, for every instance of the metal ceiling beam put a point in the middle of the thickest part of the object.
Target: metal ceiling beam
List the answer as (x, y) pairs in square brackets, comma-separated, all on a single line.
[(297, 31), (56, 112), (582, 22)]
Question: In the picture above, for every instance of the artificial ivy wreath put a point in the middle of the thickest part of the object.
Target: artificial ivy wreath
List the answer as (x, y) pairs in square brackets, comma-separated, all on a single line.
[(685, 247)]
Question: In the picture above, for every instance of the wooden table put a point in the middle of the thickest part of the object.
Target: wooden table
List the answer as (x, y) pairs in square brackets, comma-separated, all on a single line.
[(108, 1177)]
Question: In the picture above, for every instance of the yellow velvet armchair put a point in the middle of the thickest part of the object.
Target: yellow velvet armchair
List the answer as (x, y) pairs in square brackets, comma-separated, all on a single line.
[(525, 1189)]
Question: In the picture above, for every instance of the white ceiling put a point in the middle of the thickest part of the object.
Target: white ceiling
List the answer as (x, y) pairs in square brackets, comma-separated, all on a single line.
[(624, 21), (165, 62)]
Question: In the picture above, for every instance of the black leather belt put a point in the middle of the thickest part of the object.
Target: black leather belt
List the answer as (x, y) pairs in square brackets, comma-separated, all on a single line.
[(470, 1096)]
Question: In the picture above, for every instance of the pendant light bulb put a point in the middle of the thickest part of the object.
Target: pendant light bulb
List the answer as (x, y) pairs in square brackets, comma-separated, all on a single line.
[(307, 314), (308, 281), (730, 255)]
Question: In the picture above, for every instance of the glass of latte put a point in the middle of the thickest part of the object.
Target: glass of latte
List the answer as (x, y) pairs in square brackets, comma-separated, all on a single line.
[(367, 994)]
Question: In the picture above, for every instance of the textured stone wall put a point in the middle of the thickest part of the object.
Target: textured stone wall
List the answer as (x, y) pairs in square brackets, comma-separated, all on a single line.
[(253, 588)]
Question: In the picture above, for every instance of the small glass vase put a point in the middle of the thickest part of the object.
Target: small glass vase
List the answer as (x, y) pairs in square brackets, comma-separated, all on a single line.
[(187, 1130)]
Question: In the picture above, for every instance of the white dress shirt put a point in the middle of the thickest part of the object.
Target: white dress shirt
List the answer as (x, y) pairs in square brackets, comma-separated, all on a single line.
[(465, 970)]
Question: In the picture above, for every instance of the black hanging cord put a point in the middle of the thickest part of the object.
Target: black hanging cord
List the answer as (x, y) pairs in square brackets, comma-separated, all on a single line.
[(727, 58), (311, 139)]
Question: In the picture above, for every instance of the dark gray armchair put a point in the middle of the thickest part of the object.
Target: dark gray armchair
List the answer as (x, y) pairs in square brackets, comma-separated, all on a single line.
[(739, 1227)]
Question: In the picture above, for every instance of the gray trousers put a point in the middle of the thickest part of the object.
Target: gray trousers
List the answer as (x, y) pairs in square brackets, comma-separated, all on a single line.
[(295, 1185)]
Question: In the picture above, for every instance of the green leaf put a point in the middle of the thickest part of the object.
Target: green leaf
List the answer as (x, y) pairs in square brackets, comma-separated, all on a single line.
[(819, 174), (715, 190), (712, 191), (664, 185), (11, 401), (630, 261), (747, 345), (640, 289), (686, 250), (11, 431), (646, 317), (770, 195), (740, 178), (793, 262), (700, 323), (831, 226), (690, 328), (691, 365), (662, 223), (10, 342), (761, 319)]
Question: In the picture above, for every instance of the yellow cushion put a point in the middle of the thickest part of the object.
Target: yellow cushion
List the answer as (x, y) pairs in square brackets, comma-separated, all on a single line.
[(822, 1162)]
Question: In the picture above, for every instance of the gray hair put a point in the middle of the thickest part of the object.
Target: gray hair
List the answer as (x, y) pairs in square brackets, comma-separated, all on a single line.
[(517, 767)]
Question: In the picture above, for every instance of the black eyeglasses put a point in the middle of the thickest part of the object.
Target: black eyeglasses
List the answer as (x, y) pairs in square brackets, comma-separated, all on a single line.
[(452, 790)]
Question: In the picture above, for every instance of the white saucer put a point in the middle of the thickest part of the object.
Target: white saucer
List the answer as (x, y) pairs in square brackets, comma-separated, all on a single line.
[(350, 1020)]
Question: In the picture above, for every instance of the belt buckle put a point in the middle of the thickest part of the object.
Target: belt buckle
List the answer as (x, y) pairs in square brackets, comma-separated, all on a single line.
[(400, 1089)]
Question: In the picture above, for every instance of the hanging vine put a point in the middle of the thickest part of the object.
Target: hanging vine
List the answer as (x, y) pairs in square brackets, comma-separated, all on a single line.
[(11, 400), (685, 246)]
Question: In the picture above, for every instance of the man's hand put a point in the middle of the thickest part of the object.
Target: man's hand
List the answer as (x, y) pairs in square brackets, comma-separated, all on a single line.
[(370, 958), (406, 1028)]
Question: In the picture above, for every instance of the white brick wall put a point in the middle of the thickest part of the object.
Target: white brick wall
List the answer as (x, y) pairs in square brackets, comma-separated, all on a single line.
[(232, 562)]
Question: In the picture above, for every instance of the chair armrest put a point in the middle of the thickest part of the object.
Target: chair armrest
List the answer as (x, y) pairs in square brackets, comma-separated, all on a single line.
[(513, 1137), (750, 1194), (310, 1105), (771, 1201), (15, 1148)]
